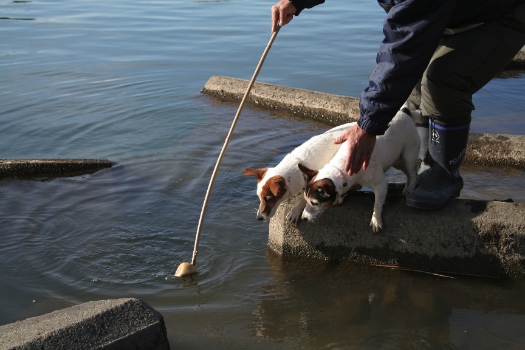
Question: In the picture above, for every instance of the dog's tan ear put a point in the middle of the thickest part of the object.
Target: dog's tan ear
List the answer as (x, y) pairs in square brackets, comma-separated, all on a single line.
[(258, 173), (278, 187), (309, 173)]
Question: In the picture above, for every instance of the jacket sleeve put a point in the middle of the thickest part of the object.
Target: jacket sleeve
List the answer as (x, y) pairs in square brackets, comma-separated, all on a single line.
[(412, 32), (305, 4)]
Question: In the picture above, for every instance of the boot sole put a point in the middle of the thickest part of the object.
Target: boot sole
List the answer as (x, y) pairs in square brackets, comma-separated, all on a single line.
[(419, 204)]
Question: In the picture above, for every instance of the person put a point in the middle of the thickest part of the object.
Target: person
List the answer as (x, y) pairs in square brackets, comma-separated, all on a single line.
[(435, 55)]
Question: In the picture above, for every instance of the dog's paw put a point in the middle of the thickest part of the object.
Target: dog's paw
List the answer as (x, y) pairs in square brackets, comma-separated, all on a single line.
[(292, 217), (409, 187), (376, 225), (339, 201)]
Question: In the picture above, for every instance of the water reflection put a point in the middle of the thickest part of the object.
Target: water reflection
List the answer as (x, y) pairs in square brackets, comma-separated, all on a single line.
[(336, 305)]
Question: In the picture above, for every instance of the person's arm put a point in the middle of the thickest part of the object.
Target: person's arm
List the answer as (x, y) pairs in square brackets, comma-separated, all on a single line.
[(412, 31), (305, 4)]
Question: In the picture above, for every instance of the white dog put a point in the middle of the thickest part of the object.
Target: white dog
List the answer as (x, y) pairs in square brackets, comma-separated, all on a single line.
[(286, 180), (398, 147)]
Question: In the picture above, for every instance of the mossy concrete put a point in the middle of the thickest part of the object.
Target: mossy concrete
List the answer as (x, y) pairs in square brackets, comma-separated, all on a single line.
[(49, 168)]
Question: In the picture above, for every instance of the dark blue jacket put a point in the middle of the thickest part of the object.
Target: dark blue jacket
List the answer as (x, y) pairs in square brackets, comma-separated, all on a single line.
[(412, 32)]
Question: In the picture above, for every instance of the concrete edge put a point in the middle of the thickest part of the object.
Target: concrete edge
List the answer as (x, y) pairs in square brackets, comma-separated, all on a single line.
[(126, 323), (483, 149), (515, 67), (45, 168), (328, 108), (483, 238)]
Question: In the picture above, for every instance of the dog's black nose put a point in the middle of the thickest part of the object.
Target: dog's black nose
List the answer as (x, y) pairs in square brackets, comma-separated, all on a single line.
[(260, 218)]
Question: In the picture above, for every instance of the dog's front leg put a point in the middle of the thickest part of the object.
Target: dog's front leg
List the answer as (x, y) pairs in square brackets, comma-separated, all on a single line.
[(295, 214), (380, 191)]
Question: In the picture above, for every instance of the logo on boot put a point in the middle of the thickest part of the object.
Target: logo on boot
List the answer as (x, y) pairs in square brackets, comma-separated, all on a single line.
[(435, 136), (459, 158)]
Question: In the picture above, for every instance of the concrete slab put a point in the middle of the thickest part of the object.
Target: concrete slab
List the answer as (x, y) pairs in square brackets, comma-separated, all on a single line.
[(328, 108), (484, 238), (484, 149), (106, 324), (44, 168), (496, 150)]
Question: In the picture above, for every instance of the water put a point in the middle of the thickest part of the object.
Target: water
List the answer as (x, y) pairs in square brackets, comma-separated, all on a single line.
[(121, 80)]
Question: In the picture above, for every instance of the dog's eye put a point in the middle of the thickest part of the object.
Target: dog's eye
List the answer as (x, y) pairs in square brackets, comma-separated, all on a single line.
[(269, 198), (315, 204)]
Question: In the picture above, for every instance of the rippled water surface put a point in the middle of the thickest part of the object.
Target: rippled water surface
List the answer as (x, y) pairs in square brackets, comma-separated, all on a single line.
[(121, 80)]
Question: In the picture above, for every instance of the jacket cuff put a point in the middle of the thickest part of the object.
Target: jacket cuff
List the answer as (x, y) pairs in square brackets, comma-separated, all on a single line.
[(371, 127), (305, 4)]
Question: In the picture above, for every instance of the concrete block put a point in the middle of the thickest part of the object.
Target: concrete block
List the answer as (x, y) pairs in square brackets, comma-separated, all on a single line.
[(474, 237), (106, 324), (483, 149), (43, 168), (329, 108)]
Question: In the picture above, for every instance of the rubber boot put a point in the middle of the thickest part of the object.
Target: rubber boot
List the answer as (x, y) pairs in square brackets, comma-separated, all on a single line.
[(441, 182)]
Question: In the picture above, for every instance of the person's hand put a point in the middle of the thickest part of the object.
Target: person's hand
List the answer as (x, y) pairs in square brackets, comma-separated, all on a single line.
[(282, 13), (360, 147)]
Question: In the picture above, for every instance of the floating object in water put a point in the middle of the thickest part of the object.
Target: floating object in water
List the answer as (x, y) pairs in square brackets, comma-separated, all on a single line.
[(186, 269)]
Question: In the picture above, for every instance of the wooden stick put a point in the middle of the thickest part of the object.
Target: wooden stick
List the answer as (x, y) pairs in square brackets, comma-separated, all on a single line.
[(226, 142)]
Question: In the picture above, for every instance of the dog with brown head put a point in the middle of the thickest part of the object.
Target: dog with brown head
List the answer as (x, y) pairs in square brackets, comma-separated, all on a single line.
[(270, 189)]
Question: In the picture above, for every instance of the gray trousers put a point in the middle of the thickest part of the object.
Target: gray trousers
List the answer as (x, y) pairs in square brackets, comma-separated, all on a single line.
[(462, 64)]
